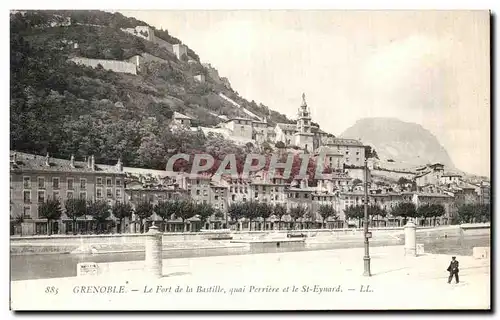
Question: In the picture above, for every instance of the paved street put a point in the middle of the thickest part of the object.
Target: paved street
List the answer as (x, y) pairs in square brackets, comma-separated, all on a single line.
[(258, 282)]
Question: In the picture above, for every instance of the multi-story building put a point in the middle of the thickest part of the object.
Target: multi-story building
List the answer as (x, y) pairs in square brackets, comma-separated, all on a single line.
[(352, 150), (429, 174), (35, 178), (136, 194)]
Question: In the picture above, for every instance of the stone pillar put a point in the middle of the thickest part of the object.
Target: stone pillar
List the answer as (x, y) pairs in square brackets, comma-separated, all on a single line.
[(410, 239), (153, 261)]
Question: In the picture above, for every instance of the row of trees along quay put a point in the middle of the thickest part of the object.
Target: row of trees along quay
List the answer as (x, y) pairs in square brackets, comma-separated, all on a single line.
[(466, 213), (102, 213)]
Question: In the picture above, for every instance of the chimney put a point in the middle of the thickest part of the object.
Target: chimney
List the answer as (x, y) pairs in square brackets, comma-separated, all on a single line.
[(91, 162), (72, 161), (119, 165), (47, 158), (303, 184), (87, 159)]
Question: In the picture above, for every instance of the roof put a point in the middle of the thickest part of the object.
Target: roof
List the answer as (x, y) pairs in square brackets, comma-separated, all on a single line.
[(238, 118), (426, 194), (32, 162), (178, 115), (315, 129), (451, 174), (287, 126), (343, 142), (328, 151), (422, 174)]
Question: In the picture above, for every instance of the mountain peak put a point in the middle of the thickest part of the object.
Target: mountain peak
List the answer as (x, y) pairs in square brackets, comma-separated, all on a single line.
[(404, 143)]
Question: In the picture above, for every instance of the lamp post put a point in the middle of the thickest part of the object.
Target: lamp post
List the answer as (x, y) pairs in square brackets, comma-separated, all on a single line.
[(366, 258)]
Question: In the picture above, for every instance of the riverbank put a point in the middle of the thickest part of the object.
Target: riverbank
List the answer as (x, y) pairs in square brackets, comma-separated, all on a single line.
[(100, 244), (333, 279)]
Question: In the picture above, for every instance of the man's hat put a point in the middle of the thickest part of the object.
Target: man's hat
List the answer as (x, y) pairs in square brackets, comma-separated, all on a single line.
[(453, 257)]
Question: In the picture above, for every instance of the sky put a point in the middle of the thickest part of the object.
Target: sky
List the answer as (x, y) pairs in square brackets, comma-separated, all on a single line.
[(427, 67)]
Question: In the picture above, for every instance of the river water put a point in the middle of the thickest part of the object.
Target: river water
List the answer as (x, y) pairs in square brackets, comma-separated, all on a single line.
[(24, 267)]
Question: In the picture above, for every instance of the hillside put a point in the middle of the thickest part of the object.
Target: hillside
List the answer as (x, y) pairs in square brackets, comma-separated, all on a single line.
[(399, 145), (63, 108)]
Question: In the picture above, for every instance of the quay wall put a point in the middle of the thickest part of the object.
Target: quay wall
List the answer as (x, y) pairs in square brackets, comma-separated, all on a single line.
[(135, 242)]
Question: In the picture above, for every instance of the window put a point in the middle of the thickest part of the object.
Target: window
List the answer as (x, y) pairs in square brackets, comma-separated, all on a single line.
[(357, 153), (83, 195), (197, 192), (205, 193), (70, 183), (170, 196), (27, 196), (109, 181), (55, 195), (26, 182), (41, 196), (98, 193), (230, 189), (109, 194), (233, 197), (83, 184), (118, 182), (216, 197), (296, 195), (69, 195), (119, 194), (347, 152), (306, 195), (27, 212), (256, 194), (41, 183), (204, 201), (99, 180), (55, 183)]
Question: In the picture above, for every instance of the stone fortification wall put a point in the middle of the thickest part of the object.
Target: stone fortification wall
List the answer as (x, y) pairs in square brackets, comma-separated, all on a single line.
[(113, 65)]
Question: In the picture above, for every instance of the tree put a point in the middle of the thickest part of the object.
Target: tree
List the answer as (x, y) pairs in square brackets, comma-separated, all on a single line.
[(370, 153), (100, 212), (356, 182), (75, 208), (144, 210), (185, 209), (164, 210), (280, 145), (375, 211), (467, 213), (279, 211), (436, 210), (122, 211), (265, 211), (205, 211), (50, 209), (355, 212), (297, 212), (325, 211), (404, 210), (236, 211), (484, 212), (403, 181)]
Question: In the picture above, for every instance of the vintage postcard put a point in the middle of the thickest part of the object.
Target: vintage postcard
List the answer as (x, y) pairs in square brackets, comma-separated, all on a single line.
[(250, 160)]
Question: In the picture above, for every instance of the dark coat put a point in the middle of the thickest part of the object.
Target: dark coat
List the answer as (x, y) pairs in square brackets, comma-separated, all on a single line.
[(453, 267)]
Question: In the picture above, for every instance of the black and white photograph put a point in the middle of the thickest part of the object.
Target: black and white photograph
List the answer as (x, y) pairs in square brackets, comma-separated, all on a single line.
[(190, 160)]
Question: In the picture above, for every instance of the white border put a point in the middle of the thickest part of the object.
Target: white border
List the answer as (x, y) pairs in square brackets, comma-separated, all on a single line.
[(197, 4)]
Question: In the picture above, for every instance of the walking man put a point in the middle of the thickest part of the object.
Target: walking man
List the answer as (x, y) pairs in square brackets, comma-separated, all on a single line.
[(453, 270)]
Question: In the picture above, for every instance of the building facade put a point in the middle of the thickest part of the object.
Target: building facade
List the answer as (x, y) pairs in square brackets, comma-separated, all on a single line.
[(34, 179)]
